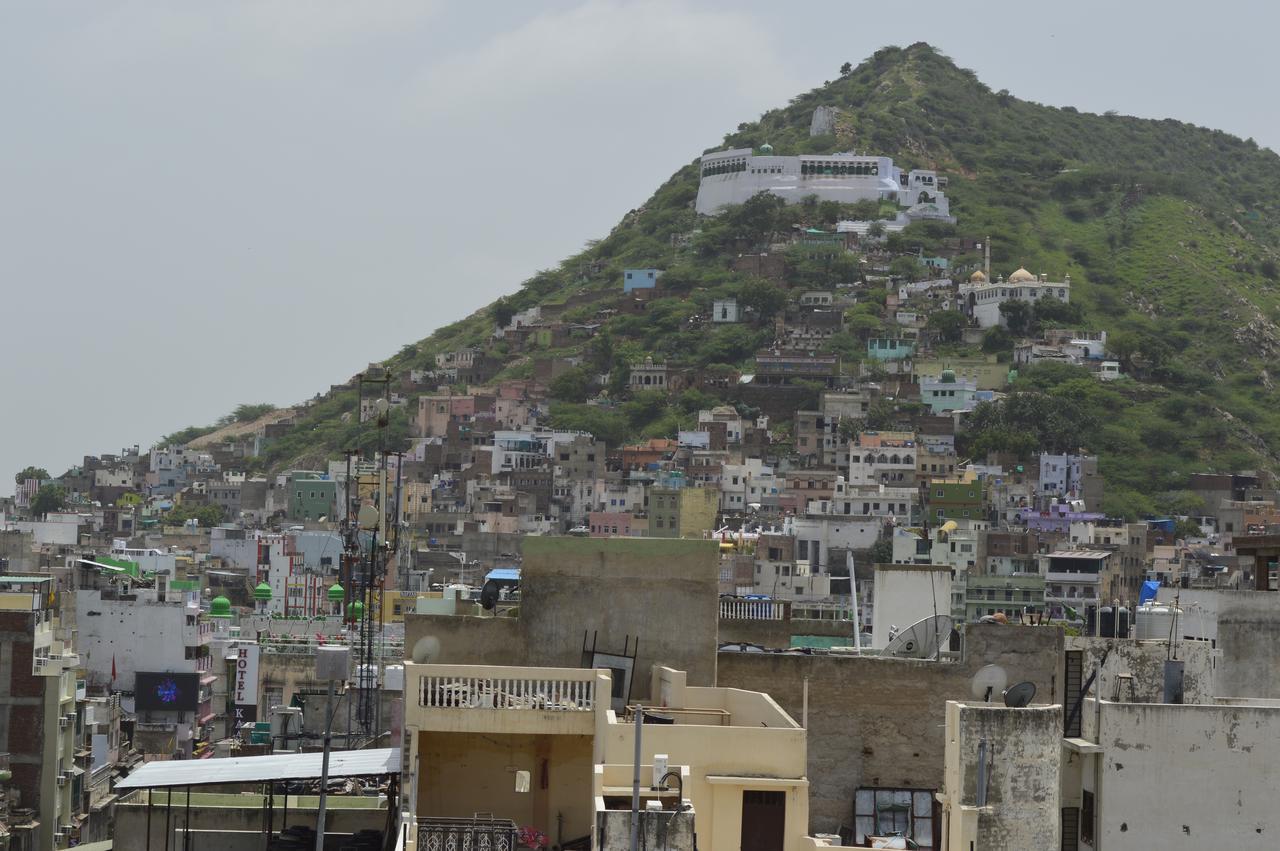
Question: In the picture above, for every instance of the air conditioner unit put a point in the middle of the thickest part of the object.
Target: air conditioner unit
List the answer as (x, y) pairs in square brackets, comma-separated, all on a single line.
[(63, 723), (62, 779)]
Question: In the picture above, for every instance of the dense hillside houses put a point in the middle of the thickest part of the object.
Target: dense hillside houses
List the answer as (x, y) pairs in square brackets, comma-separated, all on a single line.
[(798, 494)]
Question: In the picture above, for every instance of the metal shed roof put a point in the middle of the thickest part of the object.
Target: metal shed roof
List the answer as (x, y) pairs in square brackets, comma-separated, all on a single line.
[(252, 769)]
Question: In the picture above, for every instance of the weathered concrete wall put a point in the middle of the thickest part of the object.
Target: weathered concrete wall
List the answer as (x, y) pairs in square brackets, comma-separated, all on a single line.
[(1144, 661), (662, 592), (659, 831), (772, 634), (1249, 638), (880, 722), (777, 634), (1186, 777), (1021, 753), (465, 640)]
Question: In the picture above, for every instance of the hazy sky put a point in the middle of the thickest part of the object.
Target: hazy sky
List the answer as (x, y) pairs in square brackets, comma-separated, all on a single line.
[(209, 203)]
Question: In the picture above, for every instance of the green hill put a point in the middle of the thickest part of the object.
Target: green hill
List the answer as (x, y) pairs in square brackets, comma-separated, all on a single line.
[(1169, 232)]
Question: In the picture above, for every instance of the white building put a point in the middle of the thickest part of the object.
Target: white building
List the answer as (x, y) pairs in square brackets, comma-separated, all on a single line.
[(725, 310), (883, 458), (906, 594), (980, 299), (734, 176)]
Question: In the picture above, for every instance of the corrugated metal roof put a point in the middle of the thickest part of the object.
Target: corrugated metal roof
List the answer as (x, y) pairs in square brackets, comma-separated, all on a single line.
[(504, 574), (1086, 554), (251, 769)]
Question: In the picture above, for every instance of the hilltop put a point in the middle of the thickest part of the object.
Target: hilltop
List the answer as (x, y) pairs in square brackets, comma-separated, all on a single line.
[(1169, 232)]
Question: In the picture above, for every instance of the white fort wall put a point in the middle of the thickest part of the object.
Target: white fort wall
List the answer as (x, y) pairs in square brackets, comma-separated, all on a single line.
[(732, 177)]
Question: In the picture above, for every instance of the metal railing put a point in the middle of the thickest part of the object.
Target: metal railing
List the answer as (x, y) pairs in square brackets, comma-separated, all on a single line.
[(461, 834), (556, 695), (737, 608), (383, 649)]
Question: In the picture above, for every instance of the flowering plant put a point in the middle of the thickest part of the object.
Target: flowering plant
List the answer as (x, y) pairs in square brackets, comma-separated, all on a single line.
[(531, 837)]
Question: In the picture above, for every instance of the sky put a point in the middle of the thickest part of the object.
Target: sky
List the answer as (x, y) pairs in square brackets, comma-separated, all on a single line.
[(208, 204)]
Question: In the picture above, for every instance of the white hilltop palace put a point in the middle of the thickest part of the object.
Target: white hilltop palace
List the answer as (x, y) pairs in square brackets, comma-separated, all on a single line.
[(731, 177)]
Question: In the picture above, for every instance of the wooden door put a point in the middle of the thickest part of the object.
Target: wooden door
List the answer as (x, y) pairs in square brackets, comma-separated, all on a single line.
[(764, 817)]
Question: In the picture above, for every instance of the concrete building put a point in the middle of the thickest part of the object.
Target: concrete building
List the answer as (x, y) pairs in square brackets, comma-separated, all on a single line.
[(980, 299), (734, 176), (541, 748), (640, 279), (886, 457), (40, 717), (312, 495), (948, 392), (127, 631), (725, 311), (1074, 579), (682, 512), (1013, 595), (905, 594), (962, 498), (1001, 789)]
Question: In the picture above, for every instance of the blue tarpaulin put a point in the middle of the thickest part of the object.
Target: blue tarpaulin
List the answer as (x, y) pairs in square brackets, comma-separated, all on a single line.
[(1148, 592)]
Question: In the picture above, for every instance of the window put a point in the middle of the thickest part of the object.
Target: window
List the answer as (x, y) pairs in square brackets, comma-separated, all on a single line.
[(1086, 816), (877, 812)]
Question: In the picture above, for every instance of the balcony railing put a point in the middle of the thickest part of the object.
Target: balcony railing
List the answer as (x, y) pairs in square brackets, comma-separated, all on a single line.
[(464, 692), (473, 834), (753, 610)]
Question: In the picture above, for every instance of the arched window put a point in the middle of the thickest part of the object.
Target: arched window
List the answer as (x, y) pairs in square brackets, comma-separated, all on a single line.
[(883, 459), (906, 459)]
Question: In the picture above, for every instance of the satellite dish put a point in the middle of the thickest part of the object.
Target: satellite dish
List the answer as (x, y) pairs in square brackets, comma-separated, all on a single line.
[(425, 649), (1019, 695), (921, 640), (990, 679), (489, 595)]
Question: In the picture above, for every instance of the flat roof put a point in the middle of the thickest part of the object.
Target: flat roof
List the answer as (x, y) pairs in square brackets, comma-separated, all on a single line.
[(20, 579), (252, 769), (1087, 554)]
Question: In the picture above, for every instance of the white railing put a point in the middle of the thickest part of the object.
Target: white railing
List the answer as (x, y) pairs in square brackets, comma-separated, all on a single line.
[(753, 610), (557, 695)]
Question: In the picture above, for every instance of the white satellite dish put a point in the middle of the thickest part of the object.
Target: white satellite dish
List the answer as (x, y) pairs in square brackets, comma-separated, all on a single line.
[(426, 649), (990, 680), (921, 640)]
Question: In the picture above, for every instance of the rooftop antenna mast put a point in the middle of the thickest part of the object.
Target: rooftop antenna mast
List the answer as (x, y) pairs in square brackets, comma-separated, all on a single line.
[(373, 520)]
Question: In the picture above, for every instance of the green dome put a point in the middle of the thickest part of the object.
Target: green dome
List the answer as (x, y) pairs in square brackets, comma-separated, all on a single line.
[(336, 593), (262, 592), (219, 607), (766, 148), (948, 376), (355, 611)]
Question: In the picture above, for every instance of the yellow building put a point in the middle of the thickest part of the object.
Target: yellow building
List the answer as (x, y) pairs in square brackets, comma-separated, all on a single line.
[(542, 748)]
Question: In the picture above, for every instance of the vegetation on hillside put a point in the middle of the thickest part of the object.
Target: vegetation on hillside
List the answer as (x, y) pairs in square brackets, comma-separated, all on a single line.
[(1168, 231)]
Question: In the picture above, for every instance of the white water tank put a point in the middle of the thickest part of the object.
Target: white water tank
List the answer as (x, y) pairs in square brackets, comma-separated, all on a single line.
[(1157, 621), (393, 678)]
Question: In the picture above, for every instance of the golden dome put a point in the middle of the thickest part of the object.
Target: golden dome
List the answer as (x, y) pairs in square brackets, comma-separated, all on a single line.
[(978, 277), (1021, 276)]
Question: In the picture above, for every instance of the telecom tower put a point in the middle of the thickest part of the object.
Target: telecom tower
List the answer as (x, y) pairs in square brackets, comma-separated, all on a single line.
[(371, 537)]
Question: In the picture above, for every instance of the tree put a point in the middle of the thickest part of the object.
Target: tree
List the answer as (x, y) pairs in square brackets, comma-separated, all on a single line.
[(875, 230), (948, 325), (502, 310), (37, 473), (1017, 315), (846, 69), (997, 340), (905, 267), (48, 498), (764, 297), (573, 385), (881, 551), (205, 515), (249, 413)]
